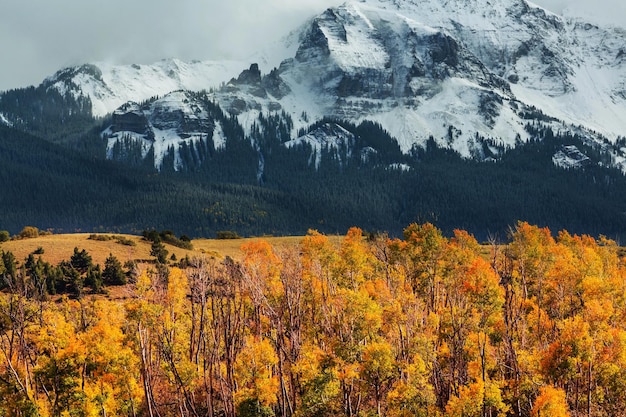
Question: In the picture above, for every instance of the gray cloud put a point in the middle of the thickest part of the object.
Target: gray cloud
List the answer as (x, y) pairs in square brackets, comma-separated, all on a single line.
[(38, 37), (599, 11)]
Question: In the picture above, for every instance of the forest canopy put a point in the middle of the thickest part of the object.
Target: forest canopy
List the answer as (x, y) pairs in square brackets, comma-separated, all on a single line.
[(424, 325)]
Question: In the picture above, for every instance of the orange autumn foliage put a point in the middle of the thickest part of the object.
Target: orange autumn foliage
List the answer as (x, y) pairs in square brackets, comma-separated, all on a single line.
[(427, 325)]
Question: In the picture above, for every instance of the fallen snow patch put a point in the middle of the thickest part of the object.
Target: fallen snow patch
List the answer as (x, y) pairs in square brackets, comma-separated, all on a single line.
[(570, 157), (4, 120), (400, 167)]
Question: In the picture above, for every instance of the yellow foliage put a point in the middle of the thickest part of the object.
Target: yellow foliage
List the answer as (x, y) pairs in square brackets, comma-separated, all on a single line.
[(378, 363), (56, 334), (550, 403), (412, 395), (356, 264), (177, 290), (308, 365), (254, 372), (348, 371), (260, 257), (357, 328), (475, 398)]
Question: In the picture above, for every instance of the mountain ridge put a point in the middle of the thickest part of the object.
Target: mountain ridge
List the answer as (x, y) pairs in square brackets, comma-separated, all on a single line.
[(419, 69), (109, 86)]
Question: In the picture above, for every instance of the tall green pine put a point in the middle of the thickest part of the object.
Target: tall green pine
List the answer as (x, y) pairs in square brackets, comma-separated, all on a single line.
[(159, 252), (113, 273)]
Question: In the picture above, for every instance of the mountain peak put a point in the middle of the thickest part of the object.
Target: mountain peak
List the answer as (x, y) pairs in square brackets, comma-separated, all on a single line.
[(109, 85), (459, 71)]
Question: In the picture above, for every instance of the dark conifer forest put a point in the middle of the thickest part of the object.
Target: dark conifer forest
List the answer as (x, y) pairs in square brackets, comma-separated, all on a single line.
[(70, 187), (56, 173)]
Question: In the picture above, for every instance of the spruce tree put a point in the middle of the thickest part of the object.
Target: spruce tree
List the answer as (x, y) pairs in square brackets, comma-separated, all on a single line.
[(113, 273), (159, 252)]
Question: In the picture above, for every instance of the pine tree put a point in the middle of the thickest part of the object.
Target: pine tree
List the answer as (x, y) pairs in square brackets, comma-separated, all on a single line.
[(159, 252), (113, 273), (81, 261)]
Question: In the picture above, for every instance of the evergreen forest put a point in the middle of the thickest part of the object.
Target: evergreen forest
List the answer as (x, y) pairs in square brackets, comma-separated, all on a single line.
[(65, 188)]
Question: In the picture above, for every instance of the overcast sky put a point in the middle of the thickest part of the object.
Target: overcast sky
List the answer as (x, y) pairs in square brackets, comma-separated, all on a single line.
[(39, 37)]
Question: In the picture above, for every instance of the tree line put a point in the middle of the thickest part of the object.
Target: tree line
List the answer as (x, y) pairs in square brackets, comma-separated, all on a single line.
[(371, 185), (423, 325)]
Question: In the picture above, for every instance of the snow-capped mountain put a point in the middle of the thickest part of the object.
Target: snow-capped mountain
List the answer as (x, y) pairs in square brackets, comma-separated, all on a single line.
[(460, 71), (454, 70), (379, 113), (422, 67), (110, 86)]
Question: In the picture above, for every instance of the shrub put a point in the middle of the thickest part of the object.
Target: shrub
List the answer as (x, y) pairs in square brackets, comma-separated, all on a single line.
[(159, 252), (125, 241), (99, 238), (131, 271), (29, 232), (151, 235), (119, 239), (168, 236), (228, 234)]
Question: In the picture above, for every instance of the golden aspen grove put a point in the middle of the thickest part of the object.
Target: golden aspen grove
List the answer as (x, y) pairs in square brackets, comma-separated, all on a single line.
[(426, 325)]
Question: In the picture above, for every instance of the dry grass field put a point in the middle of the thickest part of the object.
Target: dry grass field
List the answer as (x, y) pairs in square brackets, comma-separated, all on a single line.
[(61, 247)]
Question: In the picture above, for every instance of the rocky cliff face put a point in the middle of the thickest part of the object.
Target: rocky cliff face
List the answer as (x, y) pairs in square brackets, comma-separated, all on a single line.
[(159, 129), (459, 71), (422, 67)]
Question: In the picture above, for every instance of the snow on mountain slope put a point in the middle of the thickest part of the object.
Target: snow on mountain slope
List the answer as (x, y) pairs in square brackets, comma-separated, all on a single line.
[(570, 157), (460, 71), (597, 94), (5, 121), (109, 86), (422, 67), (574, 71), (161, 127), (329, 137), (364, 61)]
